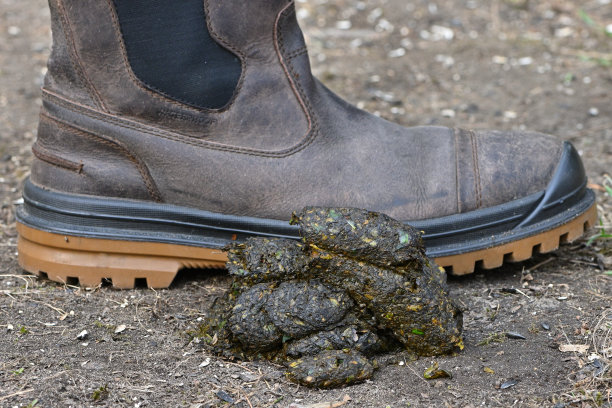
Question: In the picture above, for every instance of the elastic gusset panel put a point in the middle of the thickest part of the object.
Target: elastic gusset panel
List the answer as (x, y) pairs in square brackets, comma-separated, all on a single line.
[(171, 51)]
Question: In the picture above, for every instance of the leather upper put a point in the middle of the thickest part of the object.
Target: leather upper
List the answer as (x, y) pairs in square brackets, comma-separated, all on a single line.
[(283, 142)]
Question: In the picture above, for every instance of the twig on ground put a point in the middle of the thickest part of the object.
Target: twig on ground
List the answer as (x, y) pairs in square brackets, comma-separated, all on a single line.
[(16, 394), (536, 266)]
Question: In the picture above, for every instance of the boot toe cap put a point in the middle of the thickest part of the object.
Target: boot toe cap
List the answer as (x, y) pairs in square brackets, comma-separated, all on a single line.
[(513, 165)]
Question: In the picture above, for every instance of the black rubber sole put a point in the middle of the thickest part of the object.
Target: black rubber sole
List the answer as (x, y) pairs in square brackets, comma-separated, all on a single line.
[(538, 221), (127, 220)]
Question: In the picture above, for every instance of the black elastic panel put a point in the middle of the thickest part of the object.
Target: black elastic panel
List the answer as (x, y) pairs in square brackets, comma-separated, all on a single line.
[(171, 51)]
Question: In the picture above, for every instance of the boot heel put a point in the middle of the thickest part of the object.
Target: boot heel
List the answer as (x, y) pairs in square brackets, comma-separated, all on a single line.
[(88, 261)]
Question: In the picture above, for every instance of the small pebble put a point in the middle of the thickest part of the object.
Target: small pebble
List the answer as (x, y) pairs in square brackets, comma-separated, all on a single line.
[(593, 112), (396, 53), (447, 113), (509, 290), (343, 25), (14, 30), (600, 368), (515, 335), (248, 377), (374, 15), (446, 60), (225, 396), (384, 26), (303, 13), (386, 96), (593, 357), (564, 32), (83, 335), (120, 328), (545, 326), (508, 384), (442, 33)]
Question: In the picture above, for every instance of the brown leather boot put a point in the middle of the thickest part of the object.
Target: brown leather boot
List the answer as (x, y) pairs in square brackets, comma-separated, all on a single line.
[(133, 182)]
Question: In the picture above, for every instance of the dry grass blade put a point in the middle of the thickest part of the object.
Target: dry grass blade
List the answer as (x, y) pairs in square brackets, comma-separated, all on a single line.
[(602, 337), (596, 388), (4, 397)]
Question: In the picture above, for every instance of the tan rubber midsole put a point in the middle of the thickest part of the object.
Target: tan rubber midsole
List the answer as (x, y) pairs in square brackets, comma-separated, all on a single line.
[(65, 258), (74, 243)]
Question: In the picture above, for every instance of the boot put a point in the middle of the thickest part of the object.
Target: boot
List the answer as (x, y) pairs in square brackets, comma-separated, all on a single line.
[(171, 128)]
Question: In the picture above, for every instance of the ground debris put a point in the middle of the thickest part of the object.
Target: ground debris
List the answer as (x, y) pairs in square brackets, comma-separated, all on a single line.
[(435, 371), (334, 404), (515, 335), (224, 396), (508, 384), (357, 285), (83, 335), (497, 337), (574, 348)]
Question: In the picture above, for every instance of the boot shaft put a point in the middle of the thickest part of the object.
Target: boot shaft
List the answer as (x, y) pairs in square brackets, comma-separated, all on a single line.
[(107, 133), (97, 61)]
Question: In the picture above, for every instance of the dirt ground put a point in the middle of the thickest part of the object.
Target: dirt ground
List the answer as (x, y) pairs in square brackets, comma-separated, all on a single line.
[(510, 64)]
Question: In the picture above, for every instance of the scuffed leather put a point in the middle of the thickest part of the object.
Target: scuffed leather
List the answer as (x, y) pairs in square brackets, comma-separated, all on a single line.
[(64, 71), (284, 142), (74, 161), (514, 164)]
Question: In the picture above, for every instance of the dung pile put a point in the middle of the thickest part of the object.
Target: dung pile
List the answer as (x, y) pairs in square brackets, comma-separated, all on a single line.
[(359, 284)]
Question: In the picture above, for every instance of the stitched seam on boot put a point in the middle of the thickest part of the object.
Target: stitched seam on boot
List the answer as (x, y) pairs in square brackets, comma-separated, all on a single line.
[(297, 53), (180, 137), (76, 63), (226, 44), (477, 180), (456, 133), (175, 137), (141, 167), (291, 74), (43, 154)]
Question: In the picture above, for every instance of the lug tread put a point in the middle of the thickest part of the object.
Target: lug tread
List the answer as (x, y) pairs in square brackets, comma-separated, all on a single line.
[(520, 250)]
